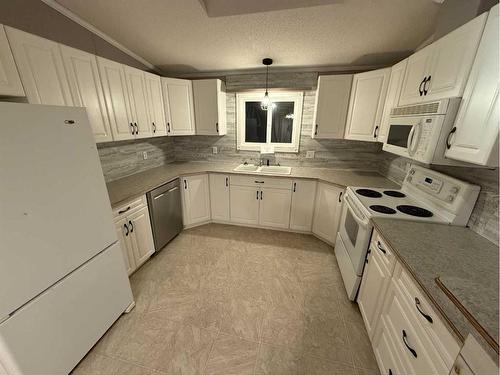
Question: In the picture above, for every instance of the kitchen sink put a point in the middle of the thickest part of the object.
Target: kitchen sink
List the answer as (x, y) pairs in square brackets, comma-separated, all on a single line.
[(265, 169)]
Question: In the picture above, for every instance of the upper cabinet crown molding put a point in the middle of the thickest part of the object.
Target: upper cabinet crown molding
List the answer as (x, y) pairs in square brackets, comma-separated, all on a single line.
[(210, 106), (86, 89), (366, 104), (440, 70), (10, 82), (41, 68), (179, 106), (474, 138), (332, 102)]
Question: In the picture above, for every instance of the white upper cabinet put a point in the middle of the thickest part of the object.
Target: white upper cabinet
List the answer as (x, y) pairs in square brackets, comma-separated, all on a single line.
[(210, 106), (302, 211), (10, 82), (117, 99), (136, 86), (219, 197), (474, 138), (327, 211), (179, 108), (41, 68), (366, 104), (86, 90), (196, 199), (441, 69), (332, 102), (392, 97), (156, 111)]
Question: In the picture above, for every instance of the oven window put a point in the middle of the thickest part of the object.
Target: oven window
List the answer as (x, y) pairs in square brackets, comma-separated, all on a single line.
[(351, 228), (398, 135)]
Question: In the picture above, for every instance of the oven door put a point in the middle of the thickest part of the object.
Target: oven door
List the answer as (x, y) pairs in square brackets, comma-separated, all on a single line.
[(355, 231), (404, 135)]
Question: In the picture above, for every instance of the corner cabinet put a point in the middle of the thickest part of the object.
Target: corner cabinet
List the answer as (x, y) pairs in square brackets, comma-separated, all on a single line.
[(86, 90), (440, 70), (195, 199), (327, 211), (210, 106), (366, 105), (219, 197), (41, 68), (330, 109), (474, 138), (10, 82), (157, 120), (178, 106)]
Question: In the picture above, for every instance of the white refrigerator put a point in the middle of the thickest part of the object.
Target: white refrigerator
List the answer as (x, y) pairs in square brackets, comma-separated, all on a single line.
[(62, 277)]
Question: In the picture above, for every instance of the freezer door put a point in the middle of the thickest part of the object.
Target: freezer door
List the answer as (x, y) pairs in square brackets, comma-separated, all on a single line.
[(53, 332), (54, 208)]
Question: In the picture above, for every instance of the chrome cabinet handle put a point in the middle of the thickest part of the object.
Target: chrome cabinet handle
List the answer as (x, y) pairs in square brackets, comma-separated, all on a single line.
[(448, 138), (126, 228), (123, 211), (405, 338), (379, 246), (131, 227), (426, 316)]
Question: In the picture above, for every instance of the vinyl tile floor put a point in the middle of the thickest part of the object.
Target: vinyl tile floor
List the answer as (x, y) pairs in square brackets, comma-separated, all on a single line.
[(223, 299)]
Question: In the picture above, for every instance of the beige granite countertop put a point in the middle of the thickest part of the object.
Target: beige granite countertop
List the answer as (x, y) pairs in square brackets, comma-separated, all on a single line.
[(463, 261), (135, 185)]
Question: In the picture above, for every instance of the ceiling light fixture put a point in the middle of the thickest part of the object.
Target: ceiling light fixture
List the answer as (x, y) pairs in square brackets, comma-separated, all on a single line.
[(266, 103)]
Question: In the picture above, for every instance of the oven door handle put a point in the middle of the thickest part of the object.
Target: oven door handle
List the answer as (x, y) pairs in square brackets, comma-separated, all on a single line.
[(351, 208)]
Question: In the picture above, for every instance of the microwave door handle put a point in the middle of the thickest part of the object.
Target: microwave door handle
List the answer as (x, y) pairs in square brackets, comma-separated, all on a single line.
[(350, 207), (409, 141), (413, 144)]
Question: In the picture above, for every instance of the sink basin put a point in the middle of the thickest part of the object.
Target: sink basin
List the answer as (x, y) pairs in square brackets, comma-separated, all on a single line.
[(274, 169), (246, 168)]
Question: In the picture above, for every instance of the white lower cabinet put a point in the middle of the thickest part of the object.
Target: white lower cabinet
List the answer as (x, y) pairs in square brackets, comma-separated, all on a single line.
[(244, 204), (195, 199), (302, 210), (219, 197), (327, 211), (135, 236), (274, 210), (385, 353)]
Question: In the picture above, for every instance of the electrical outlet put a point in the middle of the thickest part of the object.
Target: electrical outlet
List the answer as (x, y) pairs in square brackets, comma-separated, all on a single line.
[(144, 155), (310, 154), (214, 150)]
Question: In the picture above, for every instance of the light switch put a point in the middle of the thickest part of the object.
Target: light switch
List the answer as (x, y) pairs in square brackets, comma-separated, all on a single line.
[(310, 154), (214, 150), (144, 155)]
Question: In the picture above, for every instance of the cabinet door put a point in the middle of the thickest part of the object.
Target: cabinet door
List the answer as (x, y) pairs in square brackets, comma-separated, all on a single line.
[(476, 128), (10, 82), (41, 68), (332, 102), (372, 291), (392, 97), (452, 58), (244, 204), (416, 71), (219, 196), (274, 208), (302, 210), (155, 104), (86, 90), (385, 353), (366, 104), (123, 232), (141, 236), (178, 99), (327, 211), (117, 101), (137, 93), (196, 199), (208, 94)]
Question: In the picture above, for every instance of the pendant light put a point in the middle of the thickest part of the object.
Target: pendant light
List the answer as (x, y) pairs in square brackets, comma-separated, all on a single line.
[(266, 101)]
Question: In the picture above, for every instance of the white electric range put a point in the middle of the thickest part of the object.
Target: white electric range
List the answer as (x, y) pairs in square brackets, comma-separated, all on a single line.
[(425, 195)]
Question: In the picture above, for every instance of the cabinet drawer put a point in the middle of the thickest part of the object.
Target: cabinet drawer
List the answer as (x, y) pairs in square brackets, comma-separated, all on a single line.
[(419, 306), (130, 206), (257, 180), (409, 338), (383, 251)]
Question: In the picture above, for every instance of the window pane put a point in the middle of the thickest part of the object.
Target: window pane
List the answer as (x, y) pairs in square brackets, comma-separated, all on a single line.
[(255, 123), (282, 124)]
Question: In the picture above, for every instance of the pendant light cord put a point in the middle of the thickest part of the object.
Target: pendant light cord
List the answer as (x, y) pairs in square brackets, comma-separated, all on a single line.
[(267, 75)]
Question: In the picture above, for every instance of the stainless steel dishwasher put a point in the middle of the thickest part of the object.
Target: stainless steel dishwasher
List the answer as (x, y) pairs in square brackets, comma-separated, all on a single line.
[(165, 211)]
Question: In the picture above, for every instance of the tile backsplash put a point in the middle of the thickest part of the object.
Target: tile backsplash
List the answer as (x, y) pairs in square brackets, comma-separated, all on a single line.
[(484, 217)]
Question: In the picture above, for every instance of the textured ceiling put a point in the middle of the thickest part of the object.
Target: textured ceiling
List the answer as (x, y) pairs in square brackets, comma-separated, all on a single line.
[(179, 37)]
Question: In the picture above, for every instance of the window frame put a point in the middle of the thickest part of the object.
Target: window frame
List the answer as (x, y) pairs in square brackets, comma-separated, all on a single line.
[(297, 97)]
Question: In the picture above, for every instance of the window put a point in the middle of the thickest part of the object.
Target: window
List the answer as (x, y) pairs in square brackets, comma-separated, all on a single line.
[(279, 127)]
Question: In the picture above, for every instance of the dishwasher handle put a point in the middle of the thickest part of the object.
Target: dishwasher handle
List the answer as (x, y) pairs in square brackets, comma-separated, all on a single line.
[(168, 191)]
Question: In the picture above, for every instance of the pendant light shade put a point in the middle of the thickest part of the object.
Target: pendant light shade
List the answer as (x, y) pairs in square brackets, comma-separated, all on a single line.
[(266, 103)]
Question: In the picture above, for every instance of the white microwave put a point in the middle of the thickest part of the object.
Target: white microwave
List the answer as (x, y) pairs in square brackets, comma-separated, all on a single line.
[(420, 132)]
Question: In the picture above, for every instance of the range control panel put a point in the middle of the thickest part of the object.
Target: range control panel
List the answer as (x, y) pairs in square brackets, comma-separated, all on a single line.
[(435, 184)]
